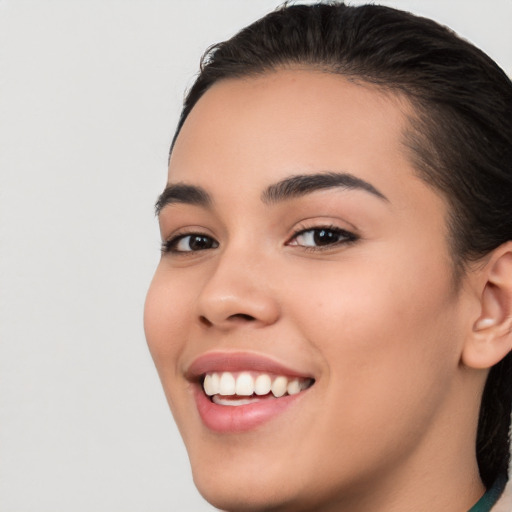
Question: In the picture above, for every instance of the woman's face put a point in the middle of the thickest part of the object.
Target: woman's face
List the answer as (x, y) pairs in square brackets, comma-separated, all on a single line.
[(300, 243)]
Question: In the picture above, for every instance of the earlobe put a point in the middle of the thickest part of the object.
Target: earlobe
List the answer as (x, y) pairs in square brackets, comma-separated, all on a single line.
[(491, 337)]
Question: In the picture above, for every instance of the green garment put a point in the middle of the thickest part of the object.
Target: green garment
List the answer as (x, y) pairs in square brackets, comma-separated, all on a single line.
[(489, 499)]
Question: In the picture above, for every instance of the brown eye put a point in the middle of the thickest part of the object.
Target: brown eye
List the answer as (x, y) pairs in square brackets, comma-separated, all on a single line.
[(325, 237), (322, 237), (190, 243)]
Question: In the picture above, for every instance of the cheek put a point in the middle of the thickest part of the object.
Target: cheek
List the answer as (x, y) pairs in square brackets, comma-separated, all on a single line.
[(165, 314), (379, 327), (387, 343)]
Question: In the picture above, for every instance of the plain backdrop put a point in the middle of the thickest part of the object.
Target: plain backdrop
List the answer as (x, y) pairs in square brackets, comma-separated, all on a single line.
[(90, 92)]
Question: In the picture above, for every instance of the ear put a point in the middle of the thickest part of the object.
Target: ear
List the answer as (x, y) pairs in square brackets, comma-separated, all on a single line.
[(491, 337)]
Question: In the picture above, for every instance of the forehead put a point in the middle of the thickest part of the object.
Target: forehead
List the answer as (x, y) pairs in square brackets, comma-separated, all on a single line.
[(254, 131), (290, 119)]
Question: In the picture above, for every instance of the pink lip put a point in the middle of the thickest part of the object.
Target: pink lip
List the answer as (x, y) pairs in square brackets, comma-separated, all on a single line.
[(235, 362), (232, 419)]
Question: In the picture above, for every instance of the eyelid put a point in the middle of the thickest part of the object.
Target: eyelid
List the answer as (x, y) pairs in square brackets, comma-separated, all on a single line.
[(169, 243), (348, 236)]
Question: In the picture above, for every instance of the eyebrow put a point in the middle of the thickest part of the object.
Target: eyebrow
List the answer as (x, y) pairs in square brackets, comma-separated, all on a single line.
[(181, 193), (288, 188), (302, 184)]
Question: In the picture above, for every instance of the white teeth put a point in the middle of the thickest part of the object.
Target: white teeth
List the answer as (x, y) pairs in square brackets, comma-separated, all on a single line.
[(211, 384), (218, 399), (263, 384), (293, 387), (279, 386), (227, 384), (207, 385), (215, 383), (244, 384)]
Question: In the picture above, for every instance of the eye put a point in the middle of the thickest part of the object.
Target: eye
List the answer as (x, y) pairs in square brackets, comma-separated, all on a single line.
[(322, 237), (189, 243)]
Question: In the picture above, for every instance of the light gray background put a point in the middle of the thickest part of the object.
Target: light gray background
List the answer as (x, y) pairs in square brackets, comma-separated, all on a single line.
[(90, 92)]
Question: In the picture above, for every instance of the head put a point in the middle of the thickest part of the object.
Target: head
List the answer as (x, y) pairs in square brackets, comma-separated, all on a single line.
[(448, 110)]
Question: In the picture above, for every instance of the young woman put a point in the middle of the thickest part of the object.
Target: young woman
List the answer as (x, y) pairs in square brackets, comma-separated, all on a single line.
[(331, 317)]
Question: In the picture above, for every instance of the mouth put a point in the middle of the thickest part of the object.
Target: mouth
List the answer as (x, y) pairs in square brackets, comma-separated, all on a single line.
[(235, 389), (239, 392)]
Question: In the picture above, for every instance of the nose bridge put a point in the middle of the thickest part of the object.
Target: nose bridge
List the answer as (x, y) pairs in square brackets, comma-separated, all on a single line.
[(238, 288)]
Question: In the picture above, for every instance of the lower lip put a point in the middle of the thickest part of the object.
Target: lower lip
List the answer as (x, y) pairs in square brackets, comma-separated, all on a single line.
[(240, 418)]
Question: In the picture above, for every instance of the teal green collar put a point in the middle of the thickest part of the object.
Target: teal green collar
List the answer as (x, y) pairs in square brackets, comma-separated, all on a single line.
[(489, 499)]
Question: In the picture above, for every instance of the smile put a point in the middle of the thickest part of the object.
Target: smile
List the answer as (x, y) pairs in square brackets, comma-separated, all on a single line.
[(239, 392), (242, 388)]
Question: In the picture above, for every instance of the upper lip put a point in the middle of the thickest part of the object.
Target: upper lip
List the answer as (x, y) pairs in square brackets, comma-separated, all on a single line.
[(238, 361)]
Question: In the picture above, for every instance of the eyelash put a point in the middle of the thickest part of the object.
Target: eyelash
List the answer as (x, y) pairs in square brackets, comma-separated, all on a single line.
[(170, 246), (346, 237)]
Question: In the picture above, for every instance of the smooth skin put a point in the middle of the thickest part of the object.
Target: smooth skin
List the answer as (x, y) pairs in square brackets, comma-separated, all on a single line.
[(398, 351)]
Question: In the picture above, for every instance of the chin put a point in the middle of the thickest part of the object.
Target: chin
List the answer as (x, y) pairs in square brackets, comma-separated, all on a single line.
[(265, 480), (248, 494), (242, 483)]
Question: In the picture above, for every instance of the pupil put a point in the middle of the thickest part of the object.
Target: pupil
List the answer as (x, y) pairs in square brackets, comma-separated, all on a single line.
[(198, 243), (325, 237)]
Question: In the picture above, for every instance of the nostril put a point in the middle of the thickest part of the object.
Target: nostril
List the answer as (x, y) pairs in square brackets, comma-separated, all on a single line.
[(233, 319), (242, 316), (205, 321)]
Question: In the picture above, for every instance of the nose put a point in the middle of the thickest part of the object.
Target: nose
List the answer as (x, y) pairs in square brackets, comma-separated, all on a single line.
[(238, 292)]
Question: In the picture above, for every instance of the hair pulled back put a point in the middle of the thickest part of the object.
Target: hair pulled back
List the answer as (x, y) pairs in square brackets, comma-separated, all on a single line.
[(459, 139)]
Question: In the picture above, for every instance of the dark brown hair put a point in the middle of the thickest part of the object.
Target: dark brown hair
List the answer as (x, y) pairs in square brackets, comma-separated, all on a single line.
[(460, 139)]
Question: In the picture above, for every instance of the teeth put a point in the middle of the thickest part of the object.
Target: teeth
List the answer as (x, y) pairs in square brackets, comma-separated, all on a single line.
[(218, 399), (215, 383), (279, 386), (227, 384), (263, 384), (208, 386), (245, 384), (293, 387)]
